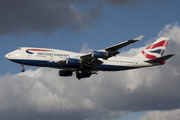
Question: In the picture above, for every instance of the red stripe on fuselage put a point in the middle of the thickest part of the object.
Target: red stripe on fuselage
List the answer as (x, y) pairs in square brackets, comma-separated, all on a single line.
[(37, 50)]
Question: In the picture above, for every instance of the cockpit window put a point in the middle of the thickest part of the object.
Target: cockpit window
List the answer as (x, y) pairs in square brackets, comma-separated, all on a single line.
[(19, 49)]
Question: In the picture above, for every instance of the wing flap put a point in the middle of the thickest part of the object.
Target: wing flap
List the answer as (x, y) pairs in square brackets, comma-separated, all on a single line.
[(93, 64)]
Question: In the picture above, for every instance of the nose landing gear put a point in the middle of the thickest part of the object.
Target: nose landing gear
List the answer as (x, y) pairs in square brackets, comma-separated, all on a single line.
[(22, 68)]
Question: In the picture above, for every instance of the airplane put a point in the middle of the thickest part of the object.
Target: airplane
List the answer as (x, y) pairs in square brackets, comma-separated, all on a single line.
[(84, 65)]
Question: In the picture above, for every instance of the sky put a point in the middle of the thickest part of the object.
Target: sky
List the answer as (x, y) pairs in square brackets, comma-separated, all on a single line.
[(83, 26)]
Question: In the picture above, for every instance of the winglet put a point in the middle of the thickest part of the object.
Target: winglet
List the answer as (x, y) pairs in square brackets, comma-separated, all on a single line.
[(138, 38)]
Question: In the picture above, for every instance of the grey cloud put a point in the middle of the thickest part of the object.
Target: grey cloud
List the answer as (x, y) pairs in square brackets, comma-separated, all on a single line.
[(47, 16), (42, 94), (162, 115), (44, 16)]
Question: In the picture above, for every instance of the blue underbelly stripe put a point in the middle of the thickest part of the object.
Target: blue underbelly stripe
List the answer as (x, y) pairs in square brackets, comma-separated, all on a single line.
[(42, 63)]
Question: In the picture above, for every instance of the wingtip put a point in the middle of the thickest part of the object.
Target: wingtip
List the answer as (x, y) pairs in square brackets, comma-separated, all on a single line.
[(139, 38), (172, 54)]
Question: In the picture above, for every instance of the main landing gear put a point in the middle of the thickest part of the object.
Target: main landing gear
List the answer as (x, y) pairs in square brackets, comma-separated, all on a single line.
[(22, 68), (83, 74)]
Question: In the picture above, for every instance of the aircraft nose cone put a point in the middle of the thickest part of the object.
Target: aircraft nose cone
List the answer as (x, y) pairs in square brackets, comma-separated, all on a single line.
[(6, 56)]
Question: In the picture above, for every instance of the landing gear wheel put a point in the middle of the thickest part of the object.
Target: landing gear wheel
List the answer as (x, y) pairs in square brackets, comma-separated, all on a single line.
[(22, 68)]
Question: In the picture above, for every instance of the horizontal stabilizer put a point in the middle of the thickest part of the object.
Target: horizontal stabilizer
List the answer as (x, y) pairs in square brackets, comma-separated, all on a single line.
[(160, 59)]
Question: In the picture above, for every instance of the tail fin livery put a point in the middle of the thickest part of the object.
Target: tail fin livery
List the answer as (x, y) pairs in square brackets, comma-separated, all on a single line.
[(156, 49)]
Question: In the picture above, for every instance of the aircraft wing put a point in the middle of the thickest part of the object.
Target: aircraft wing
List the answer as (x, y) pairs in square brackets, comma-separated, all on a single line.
[(123, 44), (113, 50), (96, 58)]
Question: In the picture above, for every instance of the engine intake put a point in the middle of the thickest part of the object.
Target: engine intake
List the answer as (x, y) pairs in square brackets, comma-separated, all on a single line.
[(65, 73)]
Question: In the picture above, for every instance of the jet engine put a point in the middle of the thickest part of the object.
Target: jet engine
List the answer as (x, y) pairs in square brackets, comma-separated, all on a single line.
[(65, 73), (97, 54), (71, 61)]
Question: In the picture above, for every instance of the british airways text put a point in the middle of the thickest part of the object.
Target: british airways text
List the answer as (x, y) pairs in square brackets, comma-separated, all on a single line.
[(53, 54)]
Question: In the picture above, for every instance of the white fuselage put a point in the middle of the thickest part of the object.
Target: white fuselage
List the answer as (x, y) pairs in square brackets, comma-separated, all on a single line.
[(48, 57)]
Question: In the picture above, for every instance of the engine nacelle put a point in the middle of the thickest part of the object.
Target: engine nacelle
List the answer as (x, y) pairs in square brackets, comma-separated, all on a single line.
[(65, 73), (97, 54), (71, 61)]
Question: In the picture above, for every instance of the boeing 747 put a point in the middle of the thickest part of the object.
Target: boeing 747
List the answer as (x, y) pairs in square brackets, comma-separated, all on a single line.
[(84, 65)]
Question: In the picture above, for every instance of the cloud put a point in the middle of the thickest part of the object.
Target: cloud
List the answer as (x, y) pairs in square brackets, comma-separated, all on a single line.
[(44, 16), (47, 16), (172, 31), (42, 94), (86, 49), (162, 115), (132, 51)]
